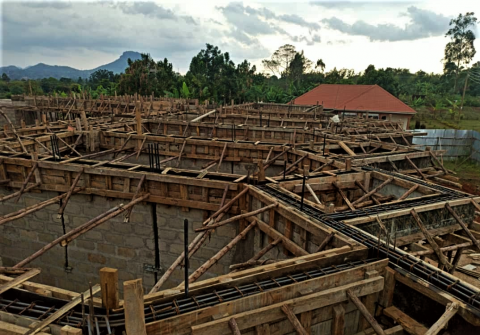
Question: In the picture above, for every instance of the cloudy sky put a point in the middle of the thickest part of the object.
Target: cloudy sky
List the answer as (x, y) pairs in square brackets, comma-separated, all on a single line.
[(345, 34)]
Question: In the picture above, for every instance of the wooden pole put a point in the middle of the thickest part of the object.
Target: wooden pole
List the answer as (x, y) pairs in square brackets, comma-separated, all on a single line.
[(82, 229), (376, 189), (366, 314), (325, 241), (134, 308), (70, 191), (464, 226), (441, 257), (236, 218), (410, 191), (22, 189), (135, 195), (25, 211), (294, 320), (13, 195), (451, 310), (232, 324), (202, 269)]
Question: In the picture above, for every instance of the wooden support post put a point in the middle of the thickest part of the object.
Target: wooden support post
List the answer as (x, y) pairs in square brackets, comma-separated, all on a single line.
[(197, 241), (386, 296), (109, 285), (342, 194), (441, 257), (69, 193), (410, 191), (238, 217), (416, 168), (221, 156), (74, 233), (135, 195), (376, 189), (232, 324), (288, 235), (451, 310), (22, 189), (366, 314), (456, 259), (325, 241), (464, 226), (31, 209), (202, 269), (294, 320), (312, 192), (134, 308), (338, 321)]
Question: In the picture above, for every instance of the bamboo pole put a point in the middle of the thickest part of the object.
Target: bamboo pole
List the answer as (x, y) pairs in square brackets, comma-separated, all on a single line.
[(202, 269), (68, 237), (236, 218)]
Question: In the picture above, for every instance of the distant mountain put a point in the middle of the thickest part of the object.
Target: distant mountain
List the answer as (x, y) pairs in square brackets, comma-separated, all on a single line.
[(41, 70)]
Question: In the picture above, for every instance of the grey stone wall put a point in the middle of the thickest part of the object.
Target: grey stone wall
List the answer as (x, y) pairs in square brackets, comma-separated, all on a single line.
[(125, 246)]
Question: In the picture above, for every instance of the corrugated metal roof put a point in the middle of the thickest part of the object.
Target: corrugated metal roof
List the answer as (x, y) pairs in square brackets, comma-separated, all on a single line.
[(354, 97)]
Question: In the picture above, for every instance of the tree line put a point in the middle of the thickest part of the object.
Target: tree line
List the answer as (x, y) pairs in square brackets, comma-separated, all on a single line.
[(287, 74)]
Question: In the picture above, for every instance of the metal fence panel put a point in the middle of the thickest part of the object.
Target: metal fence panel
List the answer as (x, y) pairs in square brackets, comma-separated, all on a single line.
[(457, 143)]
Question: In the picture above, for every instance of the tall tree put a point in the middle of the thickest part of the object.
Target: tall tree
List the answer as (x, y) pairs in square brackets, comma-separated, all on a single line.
[(5, 77), (298, 66), (280, 61), (320, 64), (460, 50)]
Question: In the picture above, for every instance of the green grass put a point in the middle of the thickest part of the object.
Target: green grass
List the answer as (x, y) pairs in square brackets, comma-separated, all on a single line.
[(469, 120)]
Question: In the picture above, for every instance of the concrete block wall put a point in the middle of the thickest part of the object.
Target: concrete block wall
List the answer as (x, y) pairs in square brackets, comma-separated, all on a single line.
[(125, 246)]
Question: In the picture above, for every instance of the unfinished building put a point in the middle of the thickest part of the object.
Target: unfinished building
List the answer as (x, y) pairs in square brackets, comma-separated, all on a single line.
[(291, 224)]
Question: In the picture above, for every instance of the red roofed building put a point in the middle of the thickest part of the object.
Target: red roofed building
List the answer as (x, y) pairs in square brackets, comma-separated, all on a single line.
[(359, 99)]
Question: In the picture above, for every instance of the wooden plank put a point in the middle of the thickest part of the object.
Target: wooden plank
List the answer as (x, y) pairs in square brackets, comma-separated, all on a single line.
[(274, 313), (19, 280), (134, 309), (181, 324), (338, 322), (11, 329), (67, 330), (409, 325), (65, 309)]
